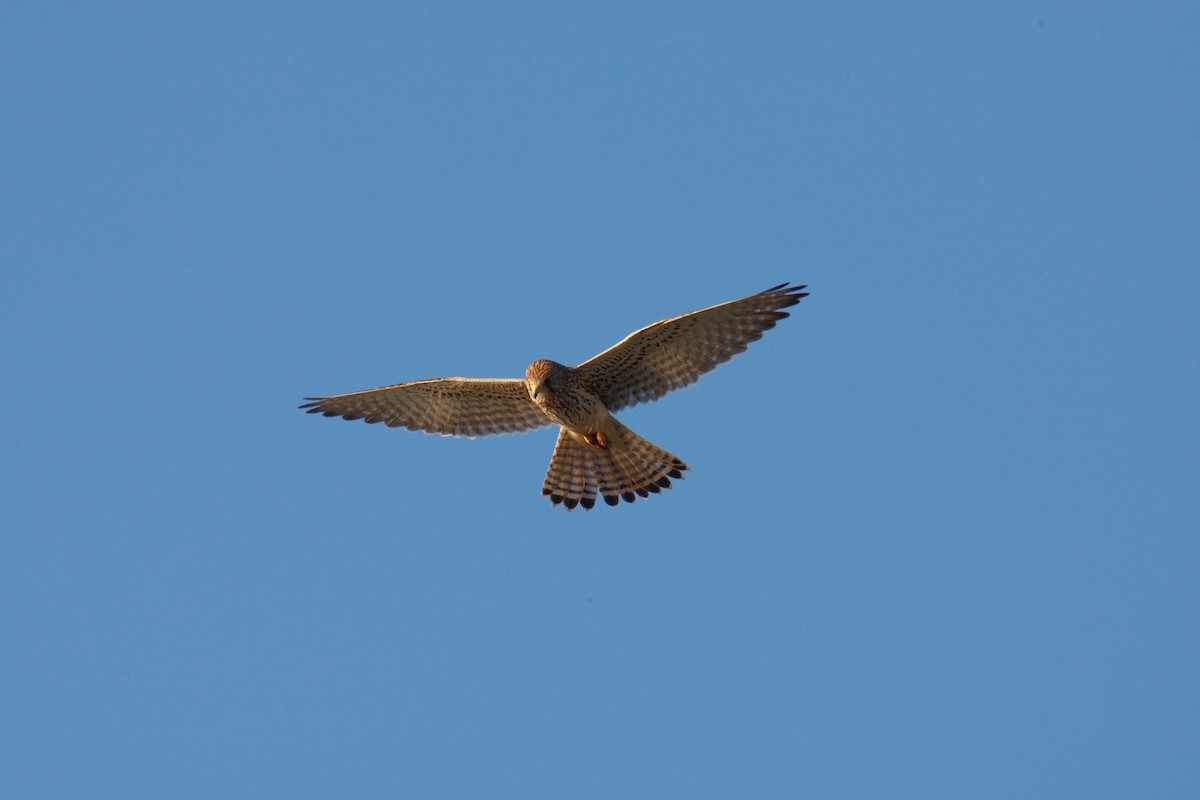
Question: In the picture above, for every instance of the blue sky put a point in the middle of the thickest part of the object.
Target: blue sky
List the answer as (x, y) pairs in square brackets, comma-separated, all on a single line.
[(940, 534)]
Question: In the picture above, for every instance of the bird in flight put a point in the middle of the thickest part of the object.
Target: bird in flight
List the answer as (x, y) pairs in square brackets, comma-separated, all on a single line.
[(595, 454)]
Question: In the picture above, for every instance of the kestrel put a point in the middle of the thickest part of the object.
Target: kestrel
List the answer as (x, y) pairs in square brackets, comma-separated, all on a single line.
[(595, 453)]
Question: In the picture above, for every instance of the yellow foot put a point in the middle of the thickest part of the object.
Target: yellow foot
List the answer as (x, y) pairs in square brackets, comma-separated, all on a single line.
[(597, 439)]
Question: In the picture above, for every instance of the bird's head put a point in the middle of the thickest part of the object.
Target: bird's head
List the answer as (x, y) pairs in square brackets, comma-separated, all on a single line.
[(541, 377)]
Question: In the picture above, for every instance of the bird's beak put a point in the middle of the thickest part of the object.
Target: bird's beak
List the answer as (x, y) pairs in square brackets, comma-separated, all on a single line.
[(535, 389)]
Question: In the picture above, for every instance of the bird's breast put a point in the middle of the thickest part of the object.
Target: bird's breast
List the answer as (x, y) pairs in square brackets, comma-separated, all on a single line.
[(576, 410)]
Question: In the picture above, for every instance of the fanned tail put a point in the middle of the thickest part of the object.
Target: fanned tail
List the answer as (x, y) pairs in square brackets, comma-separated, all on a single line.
[(625, 467)]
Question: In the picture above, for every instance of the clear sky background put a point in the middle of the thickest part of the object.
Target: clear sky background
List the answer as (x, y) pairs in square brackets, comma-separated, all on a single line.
[(941, 537)]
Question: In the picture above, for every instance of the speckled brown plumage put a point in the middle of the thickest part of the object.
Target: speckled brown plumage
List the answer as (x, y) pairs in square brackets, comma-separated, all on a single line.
[(595, 455)]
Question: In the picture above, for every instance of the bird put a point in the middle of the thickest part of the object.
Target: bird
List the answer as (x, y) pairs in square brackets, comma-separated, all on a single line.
[(595, 454)]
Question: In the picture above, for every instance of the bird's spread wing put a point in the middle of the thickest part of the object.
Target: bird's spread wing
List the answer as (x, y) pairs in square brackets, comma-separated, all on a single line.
[(676, 352), (449, 406)]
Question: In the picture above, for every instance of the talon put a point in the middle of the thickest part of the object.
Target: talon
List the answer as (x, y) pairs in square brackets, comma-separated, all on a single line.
[(596, 439)]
